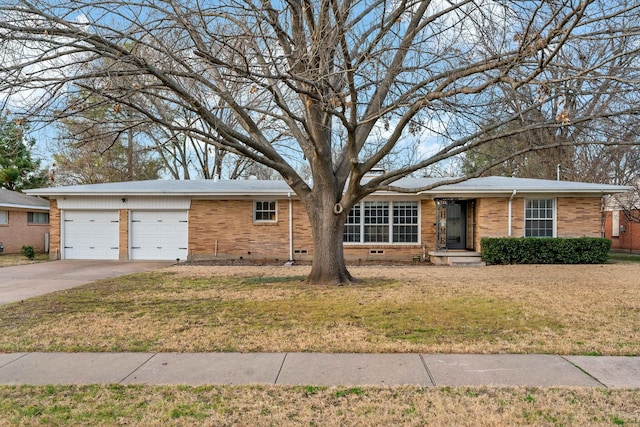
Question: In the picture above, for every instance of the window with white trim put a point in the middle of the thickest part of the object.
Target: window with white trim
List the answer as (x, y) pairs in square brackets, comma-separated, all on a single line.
[(352, 225), (265, 211), (376, 222), (405, 222), (538, 218), (37, 218), (382, 222), (4, 217)]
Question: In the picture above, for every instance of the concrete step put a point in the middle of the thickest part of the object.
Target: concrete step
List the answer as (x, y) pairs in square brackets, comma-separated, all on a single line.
[(456, 263), (456, 258)]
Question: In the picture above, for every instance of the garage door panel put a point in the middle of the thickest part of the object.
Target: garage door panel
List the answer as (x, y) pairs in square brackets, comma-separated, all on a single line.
[(159, 235), (91, 235)]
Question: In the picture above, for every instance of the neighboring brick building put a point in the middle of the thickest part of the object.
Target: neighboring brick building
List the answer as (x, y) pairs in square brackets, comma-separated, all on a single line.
[(621, 226), (264, 220), (24, 221)]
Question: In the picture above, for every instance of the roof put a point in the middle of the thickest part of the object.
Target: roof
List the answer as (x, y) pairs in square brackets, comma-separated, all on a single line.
[(491, 186), (16, 200), (503, 184)]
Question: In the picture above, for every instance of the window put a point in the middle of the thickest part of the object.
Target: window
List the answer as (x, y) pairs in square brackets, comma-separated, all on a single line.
[(376, 222), (615, 224), (264, 211), (405, 222), (4, 217), (37, 218), (352, 225), (538, 218), (382, 222)]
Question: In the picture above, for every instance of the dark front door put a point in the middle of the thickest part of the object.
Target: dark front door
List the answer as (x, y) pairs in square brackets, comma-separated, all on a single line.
[(456, 225)]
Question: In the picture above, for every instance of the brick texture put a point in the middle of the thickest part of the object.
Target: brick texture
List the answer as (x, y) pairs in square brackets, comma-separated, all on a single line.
[(54, 229), (579, 217), (575, 217), (491, 218), (629, 240), (225, 229), (123, 234), (18, 233)]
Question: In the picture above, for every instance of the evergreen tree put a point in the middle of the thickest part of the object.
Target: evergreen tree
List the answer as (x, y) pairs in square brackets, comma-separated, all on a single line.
[(18, 169)]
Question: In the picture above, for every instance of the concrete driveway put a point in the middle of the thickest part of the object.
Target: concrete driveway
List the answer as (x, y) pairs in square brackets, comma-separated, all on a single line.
[(26, 281)]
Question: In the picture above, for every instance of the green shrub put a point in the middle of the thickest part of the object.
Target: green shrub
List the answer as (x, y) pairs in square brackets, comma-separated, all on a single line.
[(28, 252), (530, 250)]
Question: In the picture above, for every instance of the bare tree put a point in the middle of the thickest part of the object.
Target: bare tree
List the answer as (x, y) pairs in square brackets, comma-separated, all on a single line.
[(576, 151), (331, 86)]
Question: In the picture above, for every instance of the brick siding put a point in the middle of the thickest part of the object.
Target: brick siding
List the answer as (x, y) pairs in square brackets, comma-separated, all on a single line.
[(575, 217), (579, 217), (123, 234), (54, 229), (18, 233), (629, 240), (225, 229)]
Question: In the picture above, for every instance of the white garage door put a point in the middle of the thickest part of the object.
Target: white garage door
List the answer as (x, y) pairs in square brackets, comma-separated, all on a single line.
[(90, 234), (159, 235)]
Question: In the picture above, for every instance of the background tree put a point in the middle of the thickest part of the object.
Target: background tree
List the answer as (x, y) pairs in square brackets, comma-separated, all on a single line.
[(18, 169), (333, 87), (586, 151), (91, 149)]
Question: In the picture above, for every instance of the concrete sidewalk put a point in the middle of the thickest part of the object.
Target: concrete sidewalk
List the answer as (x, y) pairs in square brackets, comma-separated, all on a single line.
[(321, 369)]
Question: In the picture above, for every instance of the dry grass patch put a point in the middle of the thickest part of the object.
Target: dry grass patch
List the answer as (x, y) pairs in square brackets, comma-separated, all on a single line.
[(9, 260), (498, 309), (285, 406)]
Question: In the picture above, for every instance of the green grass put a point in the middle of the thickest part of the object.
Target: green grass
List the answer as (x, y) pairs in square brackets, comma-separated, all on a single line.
[(623, 257)]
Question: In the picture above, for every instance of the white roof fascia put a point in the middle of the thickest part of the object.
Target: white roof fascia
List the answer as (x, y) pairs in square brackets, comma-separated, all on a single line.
[(499, 186), (29, 207)]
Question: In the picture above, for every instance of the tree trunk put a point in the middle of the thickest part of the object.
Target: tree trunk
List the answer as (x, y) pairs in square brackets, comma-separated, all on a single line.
[(327, 227)]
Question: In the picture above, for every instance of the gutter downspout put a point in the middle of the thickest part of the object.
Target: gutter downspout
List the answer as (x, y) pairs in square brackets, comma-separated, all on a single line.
[(290, 227), (509, 219)]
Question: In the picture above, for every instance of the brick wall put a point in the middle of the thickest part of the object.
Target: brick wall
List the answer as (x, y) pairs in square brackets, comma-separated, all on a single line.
[(428, 223), (225, 229), (123, 234), (575, 217), (579, 217), (629, 240), (18, 233), (491, 218), (54, 229)]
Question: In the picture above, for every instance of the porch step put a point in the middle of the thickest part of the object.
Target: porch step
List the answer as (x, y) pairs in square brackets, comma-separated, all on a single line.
[(457, 258)]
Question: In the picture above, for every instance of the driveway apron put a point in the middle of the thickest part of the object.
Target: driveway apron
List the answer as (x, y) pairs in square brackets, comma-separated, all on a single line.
[(25, 281)]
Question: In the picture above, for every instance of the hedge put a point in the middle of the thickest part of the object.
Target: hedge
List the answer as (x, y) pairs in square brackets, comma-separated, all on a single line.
[(530, 250)]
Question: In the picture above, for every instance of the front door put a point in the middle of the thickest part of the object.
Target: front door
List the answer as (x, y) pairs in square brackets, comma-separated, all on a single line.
[(451, 231), (456, 225)]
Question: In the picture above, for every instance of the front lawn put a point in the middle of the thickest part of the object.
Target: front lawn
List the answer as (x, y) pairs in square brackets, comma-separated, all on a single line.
[(315, 406), (8, 260), (555, 309), (559, 309)]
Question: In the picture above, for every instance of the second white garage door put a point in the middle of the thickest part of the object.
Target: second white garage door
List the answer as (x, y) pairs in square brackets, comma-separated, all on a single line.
[(159, 235)]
